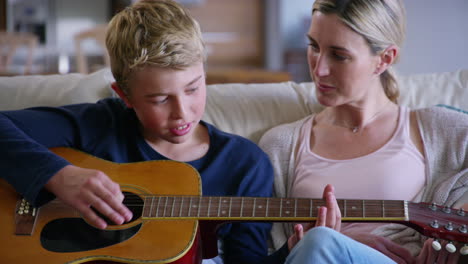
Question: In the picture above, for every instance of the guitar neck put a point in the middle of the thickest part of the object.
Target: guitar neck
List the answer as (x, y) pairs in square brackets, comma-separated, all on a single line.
[(268, 209)]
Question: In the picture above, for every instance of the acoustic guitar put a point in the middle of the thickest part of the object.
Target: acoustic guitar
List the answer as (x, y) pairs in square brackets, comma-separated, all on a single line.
[(172, 220)]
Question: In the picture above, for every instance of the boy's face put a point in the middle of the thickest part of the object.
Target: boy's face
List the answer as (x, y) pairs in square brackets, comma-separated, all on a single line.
[(169, 103)]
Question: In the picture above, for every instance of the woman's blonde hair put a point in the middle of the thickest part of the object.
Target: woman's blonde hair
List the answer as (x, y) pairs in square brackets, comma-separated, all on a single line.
[(381, 22), (157, 33)]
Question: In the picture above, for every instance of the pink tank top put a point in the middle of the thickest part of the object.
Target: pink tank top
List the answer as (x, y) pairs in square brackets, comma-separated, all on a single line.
[(396, 171)]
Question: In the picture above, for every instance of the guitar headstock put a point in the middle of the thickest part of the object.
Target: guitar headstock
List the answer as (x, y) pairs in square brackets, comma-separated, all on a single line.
[(439, 222)]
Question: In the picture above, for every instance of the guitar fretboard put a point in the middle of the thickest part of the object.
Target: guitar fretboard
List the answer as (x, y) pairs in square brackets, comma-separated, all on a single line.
[(266, 209)]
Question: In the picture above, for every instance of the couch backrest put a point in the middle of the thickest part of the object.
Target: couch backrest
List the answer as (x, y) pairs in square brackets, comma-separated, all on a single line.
[(244, 109)]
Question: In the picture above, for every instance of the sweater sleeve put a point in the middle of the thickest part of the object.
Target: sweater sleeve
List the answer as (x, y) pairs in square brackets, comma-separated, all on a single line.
[(279, 143), (445, 136), (25, 161), (25, 139), (246, 242)]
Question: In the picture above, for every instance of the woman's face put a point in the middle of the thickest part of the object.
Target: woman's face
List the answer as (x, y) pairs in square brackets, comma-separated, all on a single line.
[(340, 62)]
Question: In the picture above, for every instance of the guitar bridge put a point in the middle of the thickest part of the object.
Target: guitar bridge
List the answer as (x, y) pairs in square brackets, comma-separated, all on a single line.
[(25, 218)]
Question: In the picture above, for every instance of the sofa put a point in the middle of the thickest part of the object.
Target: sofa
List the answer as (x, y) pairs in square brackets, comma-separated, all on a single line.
[(244, 109), (248, 110)]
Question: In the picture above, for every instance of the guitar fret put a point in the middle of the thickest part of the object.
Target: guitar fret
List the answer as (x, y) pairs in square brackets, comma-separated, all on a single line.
[(151, 207), (219, 206), (173, 205), (230, 203), (281, 207), (209, 207), (295, 207), (242, 206), (190, 206), (311, 207), (363, 208), (181, 206), (157, 207), (253, 209), (199, 205), (165, 206), (383, 208), (345, 206), (266, 211)]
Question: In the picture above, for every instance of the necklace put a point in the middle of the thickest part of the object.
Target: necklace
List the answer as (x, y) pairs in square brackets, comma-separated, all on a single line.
[(356, 129)]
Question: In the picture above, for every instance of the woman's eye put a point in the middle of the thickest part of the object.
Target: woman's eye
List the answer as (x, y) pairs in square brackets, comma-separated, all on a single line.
[(339, 57), (192, 90), (314, 46)]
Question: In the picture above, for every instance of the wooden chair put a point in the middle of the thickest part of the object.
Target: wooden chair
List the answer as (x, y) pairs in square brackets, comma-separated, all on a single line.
[(98, 34), (9, 43)]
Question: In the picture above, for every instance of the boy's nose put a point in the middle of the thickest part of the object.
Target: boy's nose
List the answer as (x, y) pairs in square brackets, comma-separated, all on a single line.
[(179, 109)]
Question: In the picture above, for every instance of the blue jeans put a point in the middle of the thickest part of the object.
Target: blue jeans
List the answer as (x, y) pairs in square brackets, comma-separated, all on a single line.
[(322, 245)]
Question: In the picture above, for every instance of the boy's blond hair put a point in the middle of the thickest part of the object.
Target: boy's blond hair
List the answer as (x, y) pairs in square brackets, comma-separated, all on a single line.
[(157, 33)]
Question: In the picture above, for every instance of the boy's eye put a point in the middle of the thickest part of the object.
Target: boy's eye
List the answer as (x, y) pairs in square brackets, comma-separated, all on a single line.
[(160, 100)]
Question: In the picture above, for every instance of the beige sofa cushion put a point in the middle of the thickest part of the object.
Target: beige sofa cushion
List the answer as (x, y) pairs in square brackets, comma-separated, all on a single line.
[(244, 109), (53, 90)]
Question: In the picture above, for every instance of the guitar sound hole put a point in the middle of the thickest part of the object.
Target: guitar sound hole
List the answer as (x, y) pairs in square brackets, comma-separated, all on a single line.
[(75, 235), (133, 202)]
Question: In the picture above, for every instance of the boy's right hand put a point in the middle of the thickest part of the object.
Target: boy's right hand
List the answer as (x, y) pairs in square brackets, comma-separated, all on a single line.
[(85, 188)]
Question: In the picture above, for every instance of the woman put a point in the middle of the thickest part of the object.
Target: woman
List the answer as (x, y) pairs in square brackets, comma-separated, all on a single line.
[(363, 142)]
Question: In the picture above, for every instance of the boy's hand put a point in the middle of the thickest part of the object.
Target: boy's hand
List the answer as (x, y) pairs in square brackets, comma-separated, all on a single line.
[(329, 216), (85, 188)]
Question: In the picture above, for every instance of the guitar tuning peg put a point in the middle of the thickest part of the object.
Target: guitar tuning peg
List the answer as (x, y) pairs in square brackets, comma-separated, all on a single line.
[(464, 250), (435, 224), (463, 229), (450, 247), (436, 245), (433, 207), (447, 210), (461, 212)]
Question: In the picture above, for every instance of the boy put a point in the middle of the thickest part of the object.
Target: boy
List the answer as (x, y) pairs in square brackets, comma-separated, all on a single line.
[(157, 58)]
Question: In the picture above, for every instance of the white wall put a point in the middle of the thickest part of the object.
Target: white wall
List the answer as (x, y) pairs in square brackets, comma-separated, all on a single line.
[(437, 36), (73, 16), (437, 33), (294, 22)]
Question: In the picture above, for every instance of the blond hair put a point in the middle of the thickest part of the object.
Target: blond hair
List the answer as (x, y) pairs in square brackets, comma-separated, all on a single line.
[(381, 22), (157, 33)]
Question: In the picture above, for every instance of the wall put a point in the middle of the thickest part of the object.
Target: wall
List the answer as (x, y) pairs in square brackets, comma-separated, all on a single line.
[(437, 34), (74, 16)]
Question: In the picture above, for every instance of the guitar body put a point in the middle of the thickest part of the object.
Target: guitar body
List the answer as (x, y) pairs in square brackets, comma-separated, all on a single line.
[(173, 223), (160, 241)]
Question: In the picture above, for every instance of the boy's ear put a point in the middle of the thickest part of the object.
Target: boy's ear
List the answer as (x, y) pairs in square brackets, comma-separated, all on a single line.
[(387, 58), (121, 94)]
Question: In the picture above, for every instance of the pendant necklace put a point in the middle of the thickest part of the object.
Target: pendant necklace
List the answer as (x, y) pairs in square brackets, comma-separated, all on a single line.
[(356, 129)]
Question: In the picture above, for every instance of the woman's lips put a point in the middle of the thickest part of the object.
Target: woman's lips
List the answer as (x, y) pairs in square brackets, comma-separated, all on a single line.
[(325, 88)]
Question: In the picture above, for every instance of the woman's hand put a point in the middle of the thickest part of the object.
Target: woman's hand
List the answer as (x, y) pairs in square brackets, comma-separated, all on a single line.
[(329, 216), (429, 255), (85, 189)]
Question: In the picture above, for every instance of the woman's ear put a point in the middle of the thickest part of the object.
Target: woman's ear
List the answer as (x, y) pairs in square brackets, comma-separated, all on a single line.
[(387, 58), (121, 94)]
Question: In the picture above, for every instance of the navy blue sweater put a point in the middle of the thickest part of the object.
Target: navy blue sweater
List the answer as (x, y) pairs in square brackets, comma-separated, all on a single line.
[(233, 166)]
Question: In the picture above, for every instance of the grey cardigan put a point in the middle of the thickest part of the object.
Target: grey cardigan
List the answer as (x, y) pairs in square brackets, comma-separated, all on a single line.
[(445, 136)]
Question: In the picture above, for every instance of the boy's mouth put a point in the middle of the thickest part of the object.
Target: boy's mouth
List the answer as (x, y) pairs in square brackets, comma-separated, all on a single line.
[(181, 130)]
